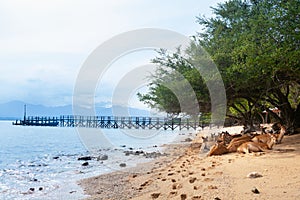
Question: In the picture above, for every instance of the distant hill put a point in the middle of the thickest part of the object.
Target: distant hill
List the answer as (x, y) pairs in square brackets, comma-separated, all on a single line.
[(15, 110)]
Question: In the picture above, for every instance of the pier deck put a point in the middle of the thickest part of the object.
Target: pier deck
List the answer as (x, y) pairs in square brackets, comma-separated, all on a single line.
[(111, 122)]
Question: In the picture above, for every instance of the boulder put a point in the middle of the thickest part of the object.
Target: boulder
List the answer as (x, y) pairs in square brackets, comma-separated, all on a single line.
[(102, 157), (138, 153), (254, 175), (153, 154), (127, 153), (85, 158), (255, 190), (123, 165)]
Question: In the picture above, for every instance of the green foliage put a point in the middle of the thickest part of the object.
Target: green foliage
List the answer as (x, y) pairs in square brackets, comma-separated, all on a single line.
[(177, 86), (256, 46), (205, 118)]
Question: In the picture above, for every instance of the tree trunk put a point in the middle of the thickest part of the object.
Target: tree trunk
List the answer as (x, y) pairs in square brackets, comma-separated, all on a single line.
[(297, 117)]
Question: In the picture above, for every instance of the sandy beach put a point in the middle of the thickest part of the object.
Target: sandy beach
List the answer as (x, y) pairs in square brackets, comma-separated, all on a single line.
[(188, 174)]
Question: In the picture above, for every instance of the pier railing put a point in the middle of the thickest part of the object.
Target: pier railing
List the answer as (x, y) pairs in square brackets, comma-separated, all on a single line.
[(111, 122)]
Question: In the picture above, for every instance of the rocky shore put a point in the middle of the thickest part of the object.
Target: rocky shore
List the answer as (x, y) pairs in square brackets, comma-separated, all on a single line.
[(118, 185), (185, 173)]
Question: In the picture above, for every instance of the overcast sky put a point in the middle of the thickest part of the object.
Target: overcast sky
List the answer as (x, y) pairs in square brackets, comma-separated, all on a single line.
[(43, 43)]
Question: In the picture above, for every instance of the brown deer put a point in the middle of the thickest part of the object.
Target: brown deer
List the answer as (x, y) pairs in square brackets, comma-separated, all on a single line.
[(236, 142), (279, 136), (243, 137), (233, 146), (264, 138), (227, 143), (224, 137), (217, 149), (257, 146)]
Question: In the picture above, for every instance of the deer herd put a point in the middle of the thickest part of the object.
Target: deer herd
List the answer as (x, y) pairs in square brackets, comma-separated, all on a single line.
[(247, 142)]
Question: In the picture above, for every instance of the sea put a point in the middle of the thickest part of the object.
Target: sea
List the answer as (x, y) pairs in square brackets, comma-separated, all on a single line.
[(43, 162)]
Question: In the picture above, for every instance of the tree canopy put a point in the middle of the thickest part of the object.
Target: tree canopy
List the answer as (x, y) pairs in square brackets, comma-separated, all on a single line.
[(256, 47)]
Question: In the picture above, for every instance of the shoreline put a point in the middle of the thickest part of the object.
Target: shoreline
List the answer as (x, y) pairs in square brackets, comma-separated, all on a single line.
[(188, 174), (52, 171), (118, 182)]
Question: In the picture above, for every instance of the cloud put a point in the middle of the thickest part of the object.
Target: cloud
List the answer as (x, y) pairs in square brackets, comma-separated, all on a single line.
[(78, 26), (44, 43), (56, 26)]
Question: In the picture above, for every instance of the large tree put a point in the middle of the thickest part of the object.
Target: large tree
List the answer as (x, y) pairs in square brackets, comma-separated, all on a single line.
[(256, 46)]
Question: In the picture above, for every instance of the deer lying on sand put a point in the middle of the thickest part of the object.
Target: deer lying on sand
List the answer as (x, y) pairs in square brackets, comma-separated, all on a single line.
[(218, 149), (264, 137), (226, 138), (236, 142), (248, 147), (250, 142), (243, 137), (232, 147)]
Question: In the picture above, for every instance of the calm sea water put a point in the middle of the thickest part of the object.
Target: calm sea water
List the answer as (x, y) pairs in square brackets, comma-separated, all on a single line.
[(46, 158)]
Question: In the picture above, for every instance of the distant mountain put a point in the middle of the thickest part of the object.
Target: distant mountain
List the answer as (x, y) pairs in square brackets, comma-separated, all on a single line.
[(15, 110), (121, 111)]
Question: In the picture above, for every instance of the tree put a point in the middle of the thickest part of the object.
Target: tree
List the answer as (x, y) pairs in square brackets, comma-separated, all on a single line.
[(256, 46), (176, 86)]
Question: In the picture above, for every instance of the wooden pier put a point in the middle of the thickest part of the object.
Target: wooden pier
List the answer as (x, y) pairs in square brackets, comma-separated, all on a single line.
[(111, 122)]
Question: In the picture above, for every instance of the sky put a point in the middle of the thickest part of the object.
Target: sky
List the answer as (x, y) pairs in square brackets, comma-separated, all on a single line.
[(43, 44)]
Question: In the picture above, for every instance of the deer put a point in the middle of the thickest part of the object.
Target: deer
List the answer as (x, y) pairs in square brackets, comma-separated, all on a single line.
[(218, 148), (227, 143), (204, 146), (248, 147), (243, 137), (233, 146), (236, 142), (263, 138), (224, 137)]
